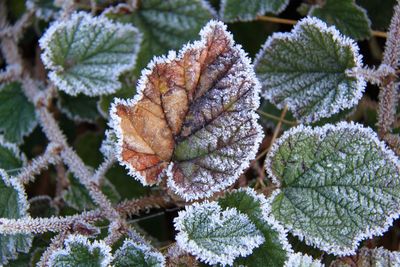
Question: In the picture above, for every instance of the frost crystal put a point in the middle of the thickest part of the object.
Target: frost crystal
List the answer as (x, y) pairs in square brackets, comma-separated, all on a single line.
[(214, 235), (87, 54), (11, 158), (193, 117), (338, 185), (301, 260), (307, 71)]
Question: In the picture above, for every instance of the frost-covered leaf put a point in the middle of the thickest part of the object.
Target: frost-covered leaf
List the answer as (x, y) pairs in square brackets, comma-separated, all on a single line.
[(349, 18), (139, 255), (307, 71), (165, 25), (238, 10), (44, 9), (378, 257), (79, 251), (301, 260), (215, 235), (86, 54), (194, 115), (11, 159), (274, 250), (17, 114), (338, 185), (42, 206), (13, 205), (79, 108)]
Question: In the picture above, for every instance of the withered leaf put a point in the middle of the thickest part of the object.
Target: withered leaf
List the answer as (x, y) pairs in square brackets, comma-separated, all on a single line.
[(193, 118)]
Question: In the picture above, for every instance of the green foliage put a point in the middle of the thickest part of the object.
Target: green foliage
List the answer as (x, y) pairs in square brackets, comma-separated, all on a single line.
[(79, 108), (11, 159)]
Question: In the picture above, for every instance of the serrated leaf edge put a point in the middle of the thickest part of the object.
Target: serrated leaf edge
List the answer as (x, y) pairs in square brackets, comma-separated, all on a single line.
[(22, 197), (337, 37), (369, 233), (308, 261), (147, 250), (14, 149)]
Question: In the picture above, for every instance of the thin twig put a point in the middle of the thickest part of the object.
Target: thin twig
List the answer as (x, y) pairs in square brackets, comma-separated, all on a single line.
[(56, 243), (102, 169), (270, 116)]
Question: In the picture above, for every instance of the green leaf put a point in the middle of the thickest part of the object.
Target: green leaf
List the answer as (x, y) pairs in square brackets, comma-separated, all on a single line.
[(215, 235), (372, 258), (79, 251), (274, 250), (79, 108), (13, 205), (88, 147), (139, 255), (17, 114), (349, 18), (238, 10), (11, 159), (380, 12), (301, 260), (307, 71), (338, 185), (86, 54), (165, 25)]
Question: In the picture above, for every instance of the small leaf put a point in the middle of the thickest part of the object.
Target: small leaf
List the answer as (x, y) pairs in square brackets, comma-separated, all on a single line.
[(139, 255), (17, 114), (11, 159), (349, 18), (87, 54), (193, 117), (79, 251), (165, 25), (237, 10), (80, 108), (301, 260), (274, 251), (14, 205), (338, 185), (307, 71), (215, 235), (372, 258)]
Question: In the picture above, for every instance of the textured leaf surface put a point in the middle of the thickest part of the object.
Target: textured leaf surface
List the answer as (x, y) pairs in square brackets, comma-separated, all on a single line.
[(274, 250), (17, 114), (13, 205), (79, 108), (301, 260), (238, 10), (338, 185), (378, 257), (86, 54), (11, 159), (349, 18), (165, 25), (79, 251), (194, 114), (215, 235), (139, 255), (307, 71)]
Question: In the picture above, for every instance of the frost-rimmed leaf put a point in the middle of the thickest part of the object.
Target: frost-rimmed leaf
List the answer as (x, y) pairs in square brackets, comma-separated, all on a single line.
[(17, 114), (349, 18), (214, 235), (14, 205), (80, 108), (301, 260), (11, 158), (238, 10), (86, 54), (275, 249), (139, 255), (338, 185), (378, 257), (165, 25), (193, 117), (307, 70), (79, 251)]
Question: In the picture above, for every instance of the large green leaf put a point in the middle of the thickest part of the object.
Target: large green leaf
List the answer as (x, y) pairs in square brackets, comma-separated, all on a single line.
[(349, 18), (86, 54), (307, 70), (238, 10), (13, 205), (17, 114), (275, 249), (165, 25), (338, 185), (216, 235), (11, 159)]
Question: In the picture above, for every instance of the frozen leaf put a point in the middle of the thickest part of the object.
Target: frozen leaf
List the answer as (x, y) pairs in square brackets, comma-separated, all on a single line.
[(194, 115), (11, 159), (86, 54), (338, 185), (238, 10), (140, 255), (378, 257), (274, 250), (17, 114), (14, 205), (307, 70), (80, 108), (165, 25), (301, 260), (349, 18), (79, 251), (214, 235)]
